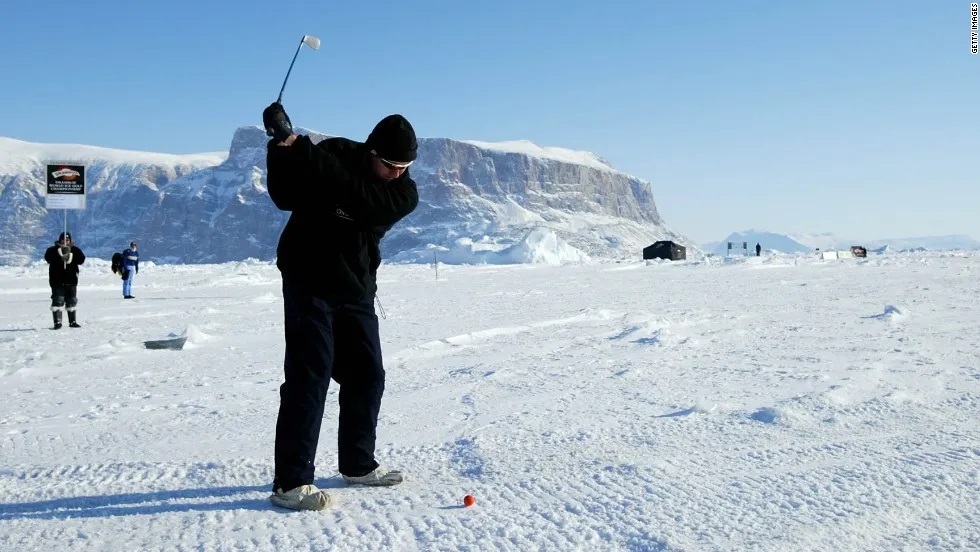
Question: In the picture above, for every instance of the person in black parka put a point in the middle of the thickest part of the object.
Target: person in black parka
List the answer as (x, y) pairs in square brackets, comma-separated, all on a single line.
[(63, 259), (343, 197)]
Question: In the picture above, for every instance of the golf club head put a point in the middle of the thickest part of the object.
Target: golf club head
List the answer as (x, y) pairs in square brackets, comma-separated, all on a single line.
[(312, 41)]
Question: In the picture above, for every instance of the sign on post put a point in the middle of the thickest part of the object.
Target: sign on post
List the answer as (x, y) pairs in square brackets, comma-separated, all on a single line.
[(66, 186)]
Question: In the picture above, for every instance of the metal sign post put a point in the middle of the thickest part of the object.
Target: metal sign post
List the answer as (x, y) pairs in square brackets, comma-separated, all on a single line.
[(65, 188)]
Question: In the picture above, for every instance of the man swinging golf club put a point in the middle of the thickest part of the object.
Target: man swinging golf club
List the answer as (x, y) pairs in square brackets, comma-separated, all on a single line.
[(343, 197)]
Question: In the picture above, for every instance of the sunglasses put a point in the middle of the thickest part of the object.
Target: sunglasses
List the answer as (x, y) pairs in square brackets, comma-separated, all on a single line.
[(393, 164)]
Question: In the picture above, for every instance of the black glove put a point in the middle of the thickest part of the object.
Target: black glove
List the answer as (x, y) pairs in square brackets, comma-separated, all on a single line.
[(277, 123), (66, 257), (64, 249)]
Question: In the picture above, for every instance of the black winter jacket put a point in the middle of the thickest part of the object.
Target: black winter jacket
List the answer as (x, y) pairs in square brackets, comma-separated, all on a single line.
[(339, 212), (58, 273)]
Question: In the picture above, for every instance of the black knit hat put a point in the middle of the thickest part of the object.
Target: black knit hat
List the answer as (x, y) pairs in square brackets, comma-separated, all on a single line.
[(61, 237), (393, 138)]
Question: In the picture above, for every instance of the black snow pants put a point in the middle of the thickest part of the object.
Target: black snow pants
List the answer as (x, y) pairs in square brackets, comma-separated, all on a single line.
[(323, 341)]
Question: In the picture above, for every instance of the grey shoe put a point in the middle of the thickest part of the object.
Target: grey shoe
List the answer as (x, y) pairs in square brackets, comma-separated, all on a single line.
[(380, 477), (304, 497)]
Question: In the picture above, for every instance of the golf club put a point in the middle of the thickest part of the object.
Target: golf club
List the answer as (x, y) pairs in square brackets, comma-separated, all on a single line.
[(309, 40)]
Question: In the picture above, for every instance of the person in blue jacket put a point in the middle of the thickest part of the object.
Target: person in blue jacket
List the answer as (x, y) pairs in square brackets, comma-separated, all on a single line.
[(131, 267)]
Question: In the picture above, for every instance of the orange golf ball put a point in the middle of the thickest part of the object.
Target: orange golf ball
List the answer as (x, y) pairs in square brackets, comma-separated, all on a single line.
[(468, 500)]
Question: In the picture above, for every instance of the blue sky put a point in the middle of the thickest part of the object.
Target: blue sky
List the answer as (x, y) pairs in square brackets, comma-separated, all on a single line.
[(860, 118)]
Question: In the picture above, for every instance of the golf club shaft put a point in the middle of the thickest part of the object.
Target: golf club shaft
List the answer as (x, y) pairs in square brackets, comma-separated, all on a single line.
[(279, 99)]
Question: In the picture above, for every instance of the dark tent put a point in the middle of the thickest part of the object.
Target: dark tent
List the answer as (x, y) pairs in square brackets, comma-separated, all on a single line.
[(665, 250)]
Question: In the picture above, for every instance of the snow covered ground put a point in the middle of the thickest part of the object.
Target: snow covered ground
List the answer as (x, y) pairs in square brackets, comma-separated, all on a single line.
[(774, 403)]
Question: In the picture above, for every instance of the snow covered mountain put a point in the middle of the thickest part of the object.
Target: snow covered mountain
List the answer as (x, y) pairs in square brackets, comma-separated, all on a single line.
[(502, 202), (802, 243), (769, 241), (933, 243), (121, 187)]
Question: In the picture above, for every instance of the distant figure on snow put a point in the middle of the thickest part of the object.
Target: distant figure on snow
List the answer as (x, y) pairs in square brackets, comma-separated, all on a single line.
[(63, 260), (758, 250), (130, 268)]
